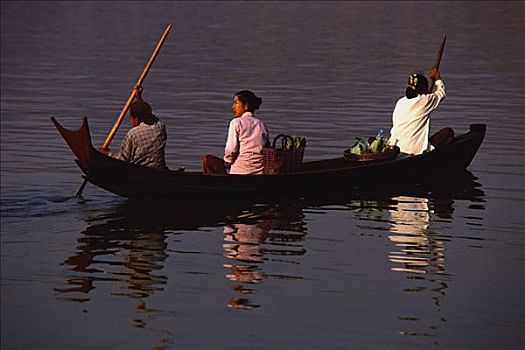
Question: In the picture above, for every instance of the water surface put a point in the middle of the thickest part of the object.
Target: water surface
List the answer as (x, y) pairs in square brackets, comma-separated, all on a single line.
[(408, 268)]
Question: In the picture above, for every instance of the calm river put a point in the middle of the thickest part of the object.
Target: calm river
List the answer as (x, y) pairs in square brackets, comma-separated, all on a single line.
[(439, 268)]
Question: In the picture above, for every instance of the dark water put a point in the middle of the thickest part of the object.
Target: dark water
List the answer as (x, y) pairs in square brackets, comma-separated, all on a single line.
[(420, 268)]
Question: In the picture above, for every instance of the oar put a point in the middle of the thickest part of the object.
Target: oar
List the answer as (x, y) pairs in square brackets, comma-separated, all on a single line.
[(124, 110), (438, 59)]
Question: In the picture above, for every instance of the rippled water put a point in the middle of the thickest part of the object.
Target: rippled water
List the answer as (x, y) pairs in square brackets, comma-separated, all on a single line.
[(439, 267)]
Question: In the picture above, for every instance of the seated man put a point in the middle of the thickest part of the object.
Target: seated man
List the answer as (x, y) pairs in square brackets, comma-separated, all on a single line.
[(145, 142), (411, 116)]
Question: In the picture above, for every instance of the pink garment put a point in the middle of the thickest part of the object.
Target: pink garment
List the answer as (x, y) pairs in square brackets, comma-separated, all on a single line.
[(247, 136), (411, 120)]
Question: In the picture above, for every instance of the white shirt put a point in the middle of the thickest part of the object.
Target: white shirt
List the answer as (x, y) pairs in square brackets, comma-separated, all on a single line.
[(411, 120), (247, 136)]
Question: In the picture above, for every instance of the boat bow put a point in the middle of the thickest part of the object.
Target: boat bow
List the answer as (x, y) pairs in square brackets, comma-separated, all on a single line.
[(79, 141)]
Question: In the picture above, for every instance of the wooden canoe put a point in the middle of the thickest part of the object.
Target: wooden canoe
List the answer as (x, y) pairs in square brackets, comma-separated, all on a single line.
[(133, 181)]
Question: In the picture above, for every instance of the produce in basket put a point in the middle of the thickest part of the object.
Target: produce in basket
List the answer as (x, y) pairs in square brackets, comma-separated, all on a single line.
[(360, 147), (375, 149), (286, 159), (373, 145), (377, 145), (298, 142)]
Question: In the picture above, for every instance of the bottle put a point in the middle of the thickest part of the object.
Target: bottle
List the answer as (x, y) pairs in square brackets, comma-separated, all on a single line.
[(377, 145)]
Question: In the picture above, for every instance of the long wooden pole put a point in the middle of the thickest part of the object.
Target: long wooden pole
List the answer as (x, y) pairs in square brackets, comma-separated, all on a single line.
[(139, 82), (440, 51), (438, 60), (124, 110)]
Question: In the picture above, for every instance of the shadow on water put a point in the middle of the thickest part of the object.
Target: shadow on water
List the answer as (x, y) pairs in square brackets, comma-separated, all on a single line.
[(127, 244)]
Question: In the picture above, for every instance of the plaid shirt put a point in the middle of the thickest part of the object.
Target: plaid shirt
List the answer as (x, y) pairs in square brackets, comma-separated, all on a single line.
[(144, 145)]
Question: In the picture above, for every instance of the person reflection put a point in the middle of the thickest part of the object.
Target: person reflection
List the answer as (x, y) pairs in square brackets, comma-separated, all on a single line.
[(419, 245), (245, 240), (132, 258), (420, 255), (119, 252), (242, 243), (418, 250), (250, 244)]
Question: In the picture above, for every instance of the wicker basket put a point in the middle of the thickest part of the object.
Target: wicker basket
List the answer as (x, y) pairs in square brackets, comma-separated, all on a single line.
[(389, 153), (282, 160)]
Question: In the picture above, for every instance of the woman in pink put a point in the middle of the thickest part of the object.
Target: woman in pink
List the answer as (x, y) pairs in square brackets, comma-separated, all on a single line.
[(247, 136)]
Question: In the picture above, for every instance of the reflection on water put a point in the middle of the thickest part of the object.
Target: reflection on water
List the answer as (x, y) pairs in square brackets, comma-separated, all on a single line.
[(419, 243), (419, 251), (411, 234), (317, 78), (123, 248), (421, 248), (253, 240), (126, 247), (131, 258), (123, 245)]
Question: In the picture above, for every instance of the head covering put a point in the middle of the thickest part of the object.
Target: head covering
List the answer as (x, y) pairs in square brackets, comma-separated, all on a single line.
[(418, 83), (141, 110)]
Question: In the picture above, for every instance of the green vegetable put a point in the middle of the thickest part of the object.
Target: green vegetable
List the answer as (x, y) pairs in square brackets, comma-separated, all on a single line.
[(360, 147), (300, 142), (377, 145)]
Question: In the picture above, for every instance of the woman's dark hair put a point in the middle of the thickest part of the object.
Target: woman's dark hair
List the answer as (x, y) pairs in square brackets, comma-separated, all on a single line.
[(249, 98), (417, 85)]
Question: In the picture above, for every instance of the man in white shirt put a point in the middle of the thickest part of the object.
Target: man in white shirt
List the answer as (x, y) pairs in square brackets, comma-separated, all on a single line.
[(411, 116)]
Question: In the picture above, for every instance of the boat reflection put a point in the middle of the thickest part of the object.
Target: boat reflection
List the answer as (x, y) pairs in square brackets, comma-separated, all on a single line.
[(122, 248), (253, 239), (419, 237), (125, 249), (127, 245), (420, 246), (131, 258), (116, 247)]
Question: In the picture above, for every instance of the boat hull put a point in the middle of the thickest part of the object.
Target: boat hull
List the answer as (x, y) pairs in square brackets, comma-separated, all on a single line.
[(132, 181)]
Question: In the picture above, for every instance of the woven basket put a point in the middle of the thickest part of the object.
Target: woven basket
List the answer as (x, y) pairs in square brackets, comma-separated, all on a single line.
[(282, 160), (389, 153)]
